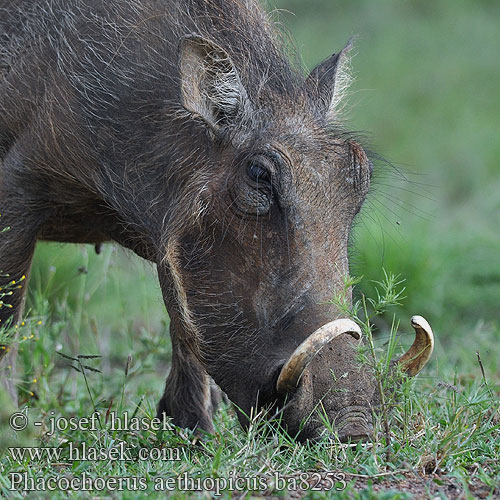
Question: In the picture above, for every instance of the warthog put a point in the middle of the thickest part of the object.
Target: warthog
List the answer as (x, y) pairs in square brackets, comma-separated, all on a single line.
[(181, 130)]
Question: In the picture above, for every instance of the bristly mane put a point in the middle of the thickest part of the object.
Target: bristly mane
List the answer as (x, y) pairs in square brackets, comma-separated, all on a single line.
[(241, 27)]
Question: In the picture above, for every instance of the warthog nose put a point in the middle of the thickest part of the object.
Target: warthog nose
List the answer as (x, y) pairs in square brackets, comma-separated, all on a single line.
[(360, 436), (354, 423)]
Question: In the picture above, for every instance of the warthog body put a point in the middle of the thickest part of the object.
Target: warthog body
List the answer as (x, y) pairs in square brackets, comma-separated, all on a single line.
[(180, 130)]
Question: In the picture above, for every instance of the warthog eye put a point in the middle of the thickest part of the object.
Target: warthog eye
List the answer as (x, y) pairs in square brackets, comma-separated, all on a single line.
[(258, 173), (251, 189)]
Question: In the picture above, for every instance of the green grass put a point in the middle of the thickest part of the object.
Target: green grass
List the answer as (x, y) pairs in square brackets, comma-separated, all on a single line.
[(443, 424), (427, 90)]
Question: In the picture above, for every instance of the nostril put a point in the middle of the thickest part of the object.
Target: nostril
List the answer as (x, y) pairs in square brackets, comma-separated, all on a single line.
[(354, 438)]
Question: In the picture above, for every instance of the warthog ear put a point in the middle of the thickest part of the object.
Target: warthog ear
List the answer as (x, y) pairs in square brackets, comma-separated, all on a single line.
[(210, 84), (328, 82)]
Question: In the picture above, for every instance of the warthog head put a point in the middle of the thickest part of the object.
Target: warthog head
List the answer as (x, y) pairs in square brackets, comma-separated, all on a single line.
[(277, 189)]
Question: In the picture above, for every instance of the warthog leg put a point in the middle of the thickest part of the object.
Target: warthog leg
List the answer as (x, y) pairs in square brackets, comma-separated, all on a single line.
[(17, 244), (190, 396)]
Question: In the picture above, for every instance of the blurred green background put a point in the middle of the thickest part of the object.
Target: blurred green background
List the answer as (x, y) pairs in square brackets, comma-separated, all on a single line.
[(427, 96), (427, 92)]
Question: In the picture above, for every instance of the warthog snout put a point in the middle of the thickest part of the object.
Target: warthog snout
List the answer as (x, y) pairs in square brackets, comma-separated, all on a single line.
[(354, 423), (324, 382)]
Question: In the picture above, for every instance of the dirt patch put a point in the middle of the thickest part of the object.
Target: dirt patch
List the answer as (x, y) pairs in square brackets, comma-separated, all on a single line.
[(418, 486), (425, 486)]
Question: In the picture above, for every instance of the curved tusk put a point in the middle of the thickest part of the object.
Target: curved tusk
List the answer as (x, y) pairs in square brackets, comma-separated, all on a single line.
[(292, 370), (420, 351)]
